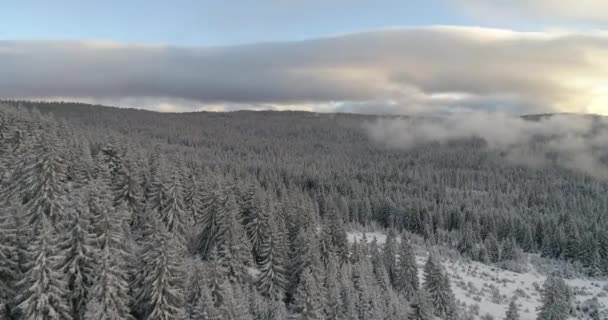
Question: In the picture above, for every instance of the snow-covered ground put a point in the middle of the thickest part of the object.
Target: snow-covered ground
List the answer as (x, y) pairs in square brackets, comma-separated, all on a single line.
[(482, 289)]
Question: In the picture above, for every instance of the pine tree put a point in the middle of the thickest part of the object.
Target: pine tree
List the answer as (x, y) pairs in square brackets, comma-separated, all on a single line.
[(307, 303), (155, 192), (43, 184), (255, 219), (78, 257), (42, 289), (436, 283), (389, 255), (11, 255), (467, 241), (407, 271), (109, 296), (159, 295), (512, 311), (271, 280), (509, 250), (331, 286), (204, 308), (493, 248), (234, 250), (127, 190), (555, 299), (420, 309), (334, 231), (212, 225), (173, 214), (193, 197)]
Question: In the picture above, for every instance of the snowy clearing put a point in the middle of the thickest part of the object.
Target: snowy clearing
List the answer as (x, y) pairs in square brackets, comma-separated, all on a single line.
[(482, 289)]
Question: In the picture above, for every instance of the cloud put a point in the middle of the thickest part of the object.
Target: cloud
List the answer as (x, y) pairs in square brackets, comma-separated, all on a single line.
[(588, 11), (401, 70), (575, 142)]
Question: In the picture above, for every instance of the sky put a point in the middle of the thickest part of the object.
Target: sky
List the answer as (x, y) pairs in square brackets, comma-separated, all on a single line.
[(384, 56)]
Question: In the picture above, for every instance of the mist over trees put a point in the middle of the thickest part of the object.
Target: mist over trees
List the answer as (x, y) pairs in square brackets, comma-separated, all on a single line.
[(125, 214)]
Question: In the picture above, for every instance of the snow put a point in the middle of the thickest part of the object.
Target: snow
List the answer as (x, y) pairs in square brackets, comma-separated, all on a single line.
[(379, 236), (489, 289)]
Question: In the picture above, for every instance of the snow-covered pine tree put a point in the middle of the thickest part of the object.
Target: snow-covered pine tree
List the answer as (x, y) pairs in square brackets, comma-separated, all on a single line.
[(308, 299), (155, 191), (173, 213), (194, 284), (109, 297), (216, 283), (555, 299), (331, 287), (234, 250), (509, 249), (43, 181), (512, 311), (11, 255), (255, 218), (437, 285), (204, 308), (493, 248), (467, 241), (602, 239), (420, 308), (211, 227), (42, 289), (406, 281), (127, 189), (158, 285), (303, 250), (389, 255), (193, 196), (271, 281), (78, 256), (334, 231)]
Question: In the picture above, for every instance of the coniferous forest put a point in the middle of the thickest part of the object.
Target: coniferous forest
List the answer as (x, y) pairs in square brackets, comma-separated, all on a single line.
[(110, 213)]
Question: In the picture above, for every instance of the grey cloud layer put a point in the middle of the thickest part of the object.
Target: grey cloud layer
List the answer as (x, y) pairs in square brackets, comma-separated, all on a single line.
[(402, 70)]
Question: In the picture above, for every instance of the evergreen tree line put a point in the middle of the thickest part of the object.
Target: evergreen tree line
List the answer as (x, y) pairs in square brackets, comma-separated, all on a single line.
[(461, 194), (100, 226)]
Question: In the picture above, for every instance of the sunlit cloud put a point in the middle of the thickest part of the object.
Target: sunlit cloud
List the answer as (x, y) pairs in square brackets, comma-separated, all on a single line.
[(400, 70), (588, 11)]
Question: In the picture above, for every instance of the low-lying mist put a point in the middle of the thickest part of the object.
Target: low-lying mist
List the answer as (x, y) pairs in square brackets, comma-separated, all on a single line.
[(575, 142)]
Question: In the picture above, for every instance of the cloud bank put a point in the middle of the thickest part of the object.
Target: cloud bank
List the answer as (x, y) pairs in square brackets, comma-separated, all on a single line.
[(589, 11), (575, 142), (403, 70)]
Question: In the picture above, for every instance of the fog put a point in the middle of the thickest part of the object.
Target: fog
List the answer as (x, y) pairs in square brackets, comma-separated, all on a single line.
[(575, 142)]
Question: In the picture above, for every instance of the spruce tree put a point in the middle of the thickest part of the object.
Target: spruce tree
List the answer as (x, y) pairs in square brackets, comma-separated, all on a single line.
[(234, 250), (308, 303), (43, 287), (407, 271), (109, 296), (173, 213), (555, 299), (78, 257), (44, 185), (271, 281), (159, 293), (436, 283), (389, 255), (211, 227), (127, 190), (420, 308), (512, 311), (11, 255)]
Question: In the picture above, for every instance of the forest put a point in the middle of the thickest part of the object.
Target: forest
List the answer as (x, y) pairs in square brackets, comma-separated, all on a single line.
[(110, 213)]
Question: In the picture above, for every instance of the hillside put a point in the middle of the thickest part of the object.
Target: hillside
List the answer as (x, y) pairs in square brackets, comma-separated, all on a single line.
[(249, 214)]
